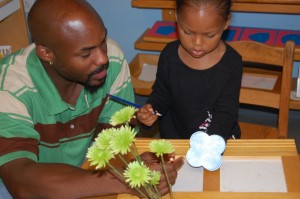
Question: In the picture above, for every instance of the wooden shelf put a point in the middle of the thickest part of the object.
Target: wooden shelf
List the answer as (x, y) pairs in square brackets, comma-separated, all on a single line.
[(141, 44), (13, 29), (142, 87), (265, 6), (259, 6), (168, 14), (145, 88), (4, 2)]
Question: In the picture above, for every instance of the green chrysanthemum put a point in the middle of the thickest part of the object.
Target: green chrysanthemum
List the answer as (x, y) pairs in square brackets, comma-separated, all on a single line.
[(123, 116), (104, 138), (137, 174), (155, 177), (123, 140), (161, 147), (98, 157)]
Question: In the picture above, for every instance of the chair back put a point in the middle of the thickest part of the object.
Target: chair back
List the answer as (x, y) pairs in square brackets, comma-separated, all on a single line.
[(267, 76)]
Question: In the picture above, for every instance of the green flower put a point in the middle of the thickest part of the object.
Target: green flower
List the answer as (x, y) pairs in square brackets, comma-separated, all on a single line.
[(104, 138), (123, 116), (137, 174), (161, 147), (123, 139), (155, 177), (99, 157)]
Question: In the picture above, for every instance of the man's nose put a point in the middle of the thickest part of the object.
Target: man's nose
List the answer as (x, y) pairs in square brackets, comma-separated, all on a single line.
[(100, 57)]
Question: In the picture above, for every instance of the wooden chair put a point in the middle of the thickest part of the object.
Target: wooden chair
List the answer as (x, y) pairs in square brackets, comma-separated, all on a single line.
[(266, 63)]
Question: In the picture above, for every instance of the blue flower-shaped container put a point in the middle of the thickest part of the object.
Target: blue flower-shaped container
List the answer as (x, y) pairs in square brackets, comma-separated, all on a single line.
[(205, 151)]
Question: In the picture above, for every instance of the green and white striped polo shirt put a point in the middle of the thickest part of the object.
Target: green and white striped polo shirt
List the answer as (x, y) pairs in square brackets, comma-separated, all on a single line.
[(34, 120)]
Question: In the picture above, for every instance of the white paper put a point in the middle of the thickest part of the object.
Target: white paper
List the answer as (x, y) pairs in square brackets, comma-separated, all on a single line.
[(189, 179), (252, 175), (148, 72), (260, 82)]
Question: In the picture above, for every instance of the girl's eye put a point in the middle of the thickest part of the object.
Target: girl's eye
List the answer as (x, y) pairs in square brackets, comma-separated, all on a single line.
[(186, 32), (210, 36)]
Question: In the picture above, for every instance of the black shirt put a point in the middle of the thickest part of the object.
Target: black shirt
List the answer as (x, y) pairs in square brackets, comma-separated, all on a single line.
[(192, 100)]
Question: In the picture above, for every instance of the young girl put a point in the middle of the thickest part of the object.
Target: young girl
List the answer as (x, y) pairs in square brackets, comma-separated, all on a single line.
[(199, 76)]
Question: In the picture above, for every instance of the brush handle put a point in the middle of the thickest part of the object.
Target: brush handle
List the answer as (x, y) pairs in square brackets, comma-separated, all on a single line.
[(124, 101), (130, 103)]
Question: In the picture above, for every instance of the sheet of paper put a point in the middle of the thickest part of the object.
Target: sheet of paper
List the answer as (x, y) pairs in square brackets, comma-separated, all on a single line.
[(189, 179), (261, 82), (148, 72), (252, 175)]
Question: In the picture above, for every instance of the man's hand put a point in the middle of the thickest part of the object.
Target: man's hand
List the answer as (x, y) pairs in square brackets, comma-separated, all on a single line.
[(172, 167)]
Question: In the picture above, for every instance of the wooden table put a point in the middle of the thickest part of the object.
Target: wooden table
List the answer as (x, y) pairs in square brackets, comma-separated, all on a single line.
[(285, 149)]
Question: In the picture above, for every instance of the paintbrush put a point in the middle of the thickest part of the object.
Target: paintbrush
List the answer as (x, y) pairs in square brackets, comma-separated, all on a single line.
[(130, 103)]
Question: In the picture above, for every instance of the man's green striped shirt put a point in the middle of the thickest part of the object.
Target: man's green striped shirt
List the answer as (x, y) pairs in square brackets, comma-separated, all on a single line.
[(36, 123)]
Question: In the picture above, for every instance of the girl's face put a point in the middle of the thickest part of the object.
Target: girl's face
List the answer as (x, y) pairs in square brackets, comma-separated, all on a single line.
[(200, 30)]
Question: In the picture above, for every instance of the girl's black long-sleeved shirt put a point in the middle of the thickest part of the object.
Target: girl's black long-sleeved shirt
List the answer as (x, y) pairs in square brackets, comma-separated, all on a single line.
[(191, 100)]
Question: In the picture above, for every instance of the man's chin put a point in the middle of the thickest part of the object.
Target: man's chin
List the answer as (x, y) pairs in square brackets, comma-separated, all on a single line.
[(93, 88)]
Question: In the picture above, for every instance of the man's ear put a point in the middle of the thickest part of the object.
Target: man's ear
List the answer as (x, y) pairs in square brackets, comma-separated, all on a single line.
[(44, 53)]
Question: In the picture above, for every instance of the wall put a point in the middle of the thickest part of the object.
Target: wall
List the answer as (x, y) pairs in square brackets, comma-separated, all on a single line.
[(125, 24)]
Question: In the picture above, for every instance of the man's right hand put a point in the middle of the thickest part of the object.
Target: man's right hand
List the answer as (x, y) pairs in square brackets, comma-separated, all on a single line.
[(172, 168)]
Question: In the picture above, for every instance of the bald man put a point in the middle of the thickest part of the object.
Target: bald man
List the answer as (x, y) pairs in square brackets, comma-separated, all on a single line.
[(53, 100)]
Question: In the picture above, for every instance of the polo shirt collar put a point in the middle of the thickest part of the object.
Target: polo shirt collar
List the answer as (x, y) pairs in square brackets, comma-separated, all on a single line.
[(50, 97)]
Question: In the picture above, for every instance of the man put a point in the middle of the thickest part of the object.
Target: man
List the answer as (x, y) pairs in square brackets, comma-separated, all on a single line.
[(53, 100)]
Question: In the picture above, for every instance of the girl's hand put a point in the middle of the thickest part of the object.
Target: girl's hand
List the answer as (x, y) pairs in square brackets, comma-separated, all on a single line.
[(145, 115)]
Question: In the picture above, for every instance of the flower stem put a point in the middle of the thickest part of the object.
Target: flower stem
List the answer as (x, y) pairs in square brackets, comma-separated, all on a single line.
[(115, 170), (123, 160), (156, 190), (168, 181), (135, 153), (148, 190), (152, 192)]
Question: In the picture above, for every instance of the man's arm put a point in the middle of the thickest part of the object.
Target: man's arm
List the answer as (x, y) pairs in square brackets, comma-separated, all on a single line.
[(25, 178)]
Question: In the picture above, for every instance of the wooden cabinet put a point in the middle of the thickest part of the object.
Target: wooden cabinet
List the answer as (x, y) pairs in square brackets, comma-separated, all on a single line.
[(13, 28), (168, 14)]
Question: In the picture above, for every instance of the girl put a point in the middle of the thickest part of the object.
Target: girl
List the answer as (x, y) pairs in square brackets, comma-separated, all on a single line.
[(199, 76)]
